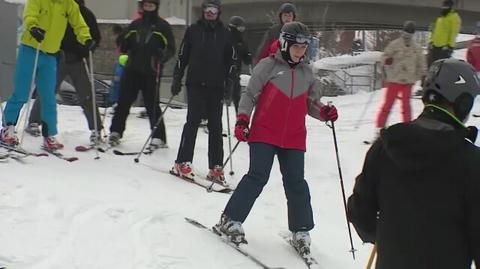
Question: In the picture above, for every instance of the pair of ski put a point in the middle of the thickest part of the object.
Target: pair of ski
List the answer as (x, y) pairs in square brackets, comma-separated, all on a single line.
[(309, 261), (26, 153), (147, 151), (208, 185)]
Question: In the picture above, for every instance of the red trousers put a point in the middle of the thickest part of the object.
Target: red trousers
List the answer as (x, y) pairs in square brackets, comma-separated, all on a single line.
[(394, 90)]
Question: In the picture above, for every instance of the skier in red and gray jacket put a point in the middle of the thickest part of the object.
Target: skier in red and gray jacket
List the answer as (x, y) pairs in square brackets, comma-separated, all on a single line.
[(283, 91)]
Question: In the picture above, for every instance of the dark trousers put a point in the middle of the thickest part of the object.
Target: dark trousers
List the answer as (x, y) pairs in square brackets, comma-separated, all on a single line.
[(131, 83), (437, 53), (200, 100), (300, 215), (236, 93), (81, 82)]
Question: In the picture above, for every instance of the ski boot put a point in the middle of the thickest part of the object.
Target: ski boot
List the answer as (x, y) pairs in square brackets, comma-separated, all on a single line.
[(233, 230), (8, 136), (51, 143), (301, 242), (33, 129), (157, 143), (114, 139), (183, 170), (216, 175)]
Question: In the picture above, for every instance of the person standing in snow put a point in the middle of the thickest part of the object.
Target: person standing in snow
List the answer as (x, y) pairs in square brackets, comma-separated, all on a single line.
[(403, 64), (444, 31), (418, 195), (149, 43), (243, 56), (269, 44), (44, 25), (473, 51), (207, 50), (278, 82), (71, 64)]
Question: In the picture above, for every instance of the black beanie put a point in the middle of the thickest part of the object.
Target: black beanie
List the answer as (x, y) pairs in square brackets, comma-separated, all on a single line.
[(447, 3), (409, 27)]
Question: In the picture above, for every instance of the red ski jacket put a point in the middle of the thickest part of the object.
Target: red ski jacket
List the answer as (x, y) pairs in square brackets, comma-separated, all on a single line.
[(282, 96), (473, 53)]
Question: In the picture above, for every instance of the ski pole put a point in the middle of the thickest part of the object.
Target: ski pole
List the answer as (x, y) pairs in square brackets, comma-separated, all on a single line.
[(94, 101), (137, 159), (30, 94), (332, 126), (229, 138), (372, 257), (210, 188)]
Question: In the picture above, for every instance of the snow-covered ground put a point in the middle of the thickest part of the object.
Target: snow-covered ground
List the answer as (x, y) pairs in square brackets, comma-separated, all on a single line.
[(113, 213)]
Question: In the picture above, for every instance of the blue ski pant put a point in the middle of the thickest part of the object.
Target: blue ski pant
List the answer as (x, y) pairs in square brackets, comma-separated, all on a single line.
[(45, 81), (300, 215)]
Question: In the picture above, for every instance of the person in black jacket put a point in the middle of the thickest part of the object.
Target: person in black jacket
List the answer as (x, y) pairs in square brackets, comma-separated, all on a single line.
[(418, 195), (71, 64), (149, 43), (207, 50), (237, 27)]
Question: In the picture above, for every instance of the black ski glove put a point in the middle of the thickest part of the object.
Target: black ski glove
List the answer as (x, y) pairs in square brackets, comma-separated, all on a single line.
[(90, 45), (471, 133), (38, 34)]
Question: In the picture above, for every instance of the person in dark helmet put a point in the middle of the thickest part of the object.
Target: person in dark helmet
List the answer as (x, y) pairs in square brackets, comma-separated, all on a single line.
[(286, 13), (444, 31), (418, 195), (149, 43), (243, 56), (278, 81), (207, 50)]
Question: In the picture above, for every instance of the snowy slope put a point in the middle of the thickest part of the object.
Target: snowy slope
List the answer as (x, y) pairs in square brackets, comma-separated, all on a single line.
[(113, 213)]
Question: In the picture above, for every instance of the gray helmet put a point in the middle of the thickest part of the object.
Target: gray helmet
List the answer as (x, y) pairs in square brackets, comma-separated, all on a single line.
[(456, 81), (294, 33)]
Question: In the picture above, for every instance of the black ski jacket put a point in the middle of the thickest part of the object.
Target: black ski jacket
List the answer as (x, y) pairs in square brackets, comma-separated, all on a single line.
[(72, 49), (418, 195), (148, 42), (207, 50), (242, 53)]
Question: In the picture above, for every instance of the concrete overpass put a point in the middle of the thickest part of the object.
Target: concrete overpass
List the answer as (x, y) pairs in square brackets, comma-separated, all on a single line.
[(351, 14)]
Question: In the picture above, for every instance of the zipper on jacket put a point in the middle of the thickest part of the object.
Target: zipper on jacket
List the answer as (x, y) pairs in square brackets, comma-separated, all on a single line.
[(292, 85)]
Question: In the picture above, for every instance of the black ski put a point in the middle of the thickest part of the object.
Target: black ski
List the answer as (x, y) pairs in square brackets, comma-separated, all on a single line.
[(366, 142), (309, 261), (231, 244), (82, 148), (206, 185), (59, 155), (147, 151)]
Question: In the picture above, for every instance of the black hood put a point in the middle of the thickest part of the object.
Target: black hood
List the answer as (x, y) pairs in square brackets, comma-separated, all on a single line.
[(423, 143)]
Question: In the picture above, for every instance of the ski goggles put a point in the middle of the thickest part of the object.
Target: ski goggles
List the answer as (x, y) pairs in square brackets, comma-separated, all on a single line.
[(297, 39), (241, 28), (211, 9)]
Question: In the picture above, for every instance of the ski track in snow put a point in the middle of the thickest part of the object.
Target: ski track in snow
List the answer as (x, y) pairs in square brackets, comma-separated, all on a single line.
[(113, 213)]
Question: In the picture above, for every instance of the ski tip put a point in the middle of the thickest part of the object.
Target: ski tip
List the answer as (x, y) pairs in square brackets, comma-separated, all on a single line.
[(367, 142), (82, 148)]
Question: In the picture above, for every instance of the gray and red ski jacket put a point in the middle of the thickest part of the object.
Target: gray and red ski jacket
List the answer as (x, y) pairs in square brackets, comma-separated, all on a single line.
[(282, 96)]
